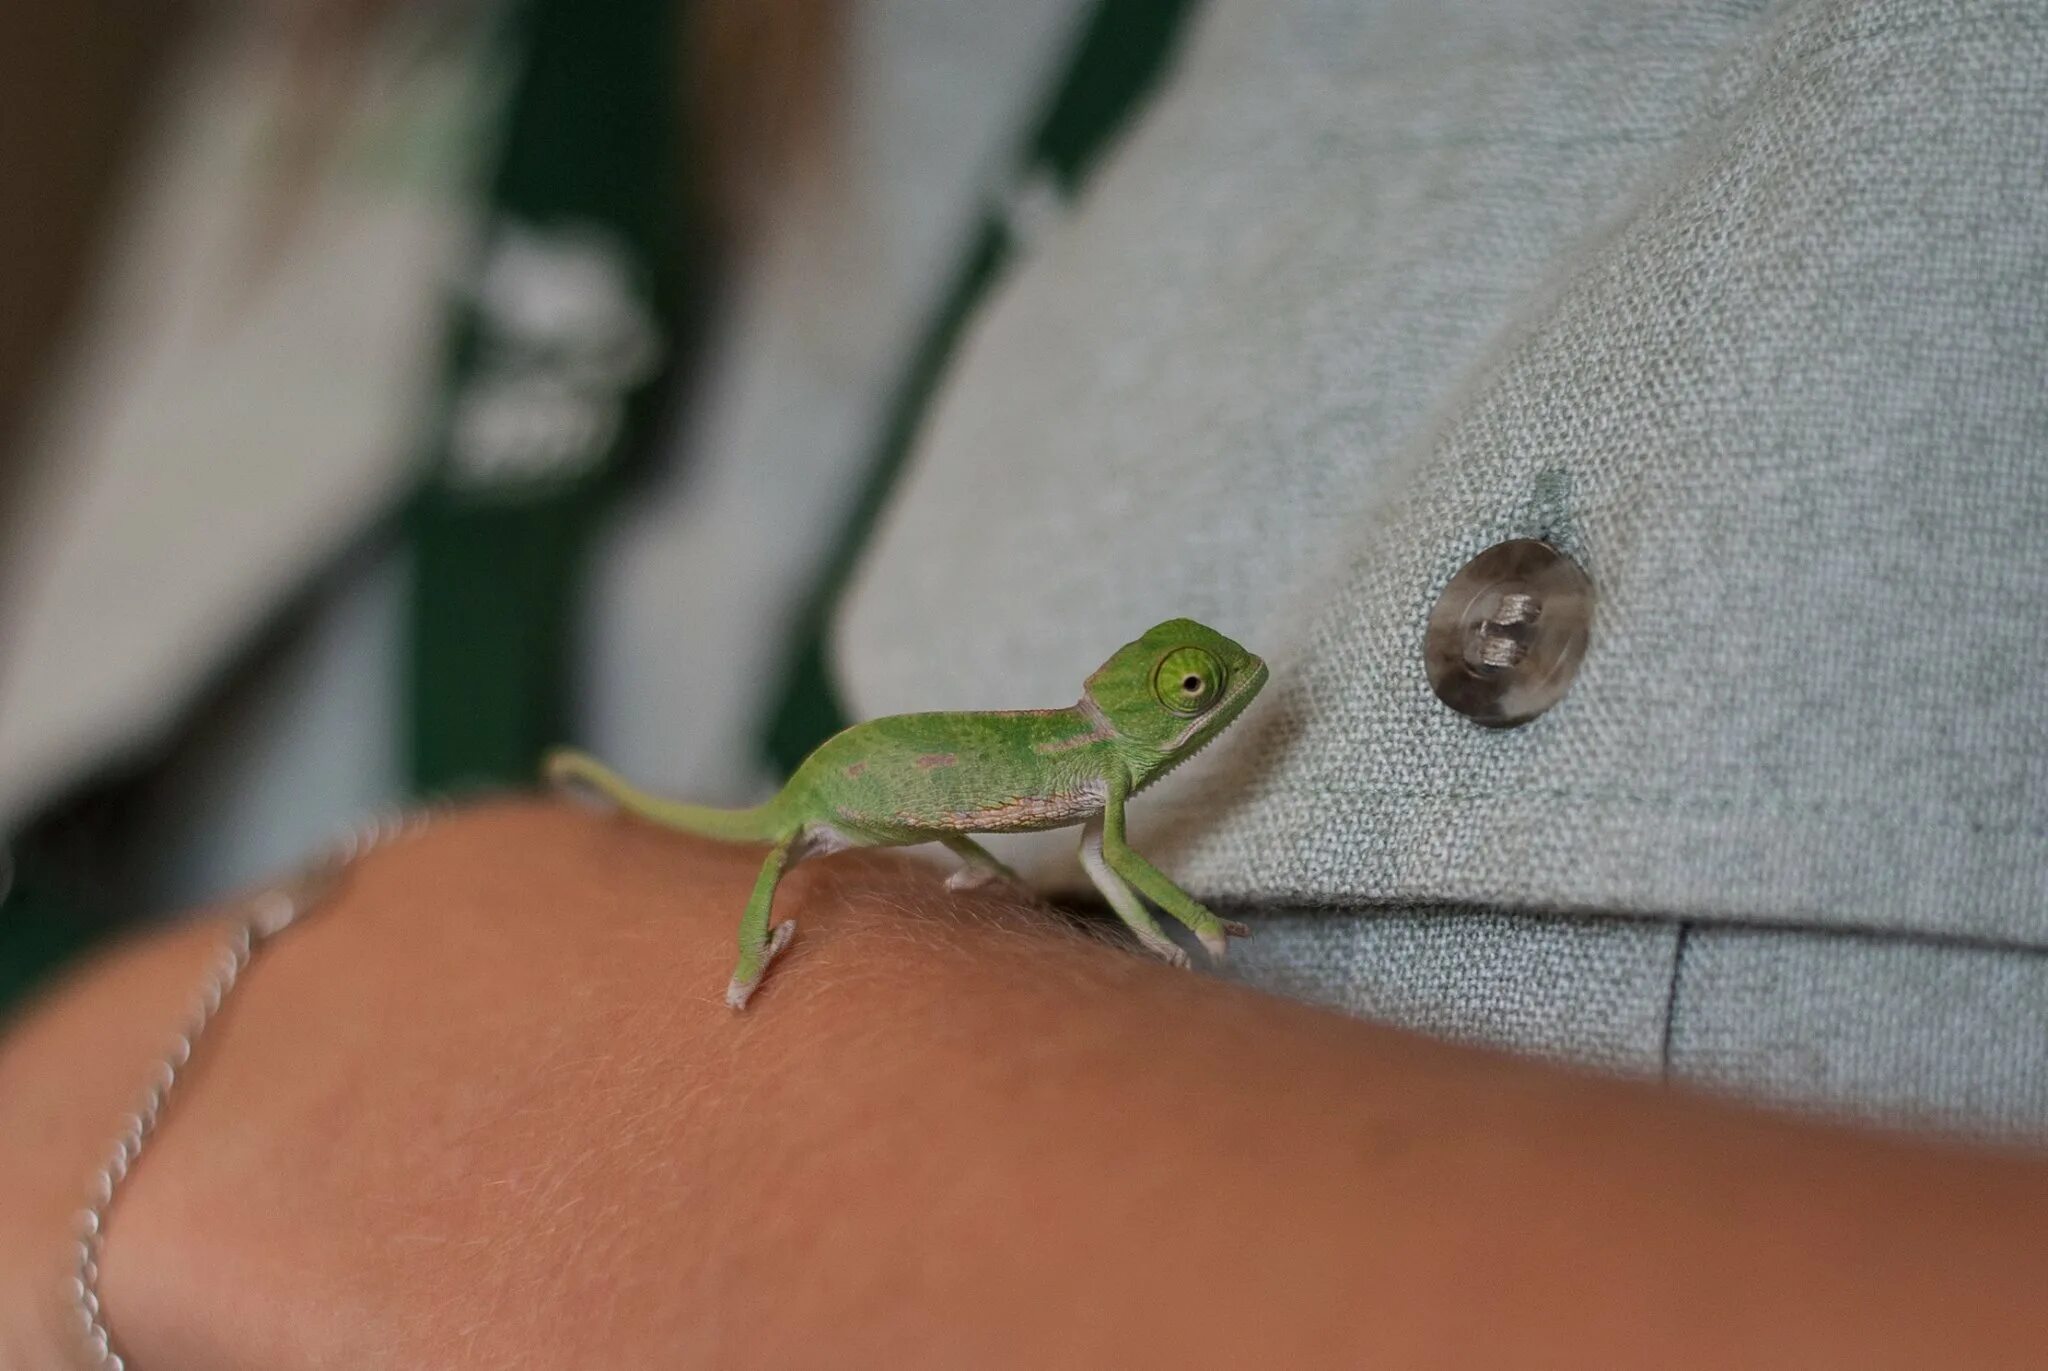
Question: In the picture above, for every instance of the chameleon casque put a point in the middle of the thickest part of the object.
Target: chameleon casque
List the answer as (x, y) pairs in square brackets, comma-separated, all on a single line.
[(925, 778)]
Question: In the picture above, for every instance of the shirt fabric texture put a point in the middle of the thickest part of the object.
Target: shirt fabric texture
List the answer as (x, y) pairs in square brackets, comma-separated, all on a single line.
[(1744, 307)]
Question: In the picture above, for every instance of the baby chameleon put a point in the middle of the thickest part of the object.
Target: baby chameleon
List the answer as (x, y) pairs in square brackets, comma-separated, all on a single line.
[(920, 778)]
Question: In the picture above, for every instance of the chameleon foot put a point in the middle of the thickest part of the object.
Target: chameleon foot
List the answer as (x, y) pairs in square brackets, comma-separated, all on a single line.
[(1165, 949), (1216, 941), (981, 877), (745, 981), (978, 867)]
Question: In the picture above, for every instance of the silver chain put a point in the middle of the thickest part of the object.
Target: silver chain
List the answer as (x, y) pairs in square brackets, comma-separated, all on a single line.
[(266, 915)]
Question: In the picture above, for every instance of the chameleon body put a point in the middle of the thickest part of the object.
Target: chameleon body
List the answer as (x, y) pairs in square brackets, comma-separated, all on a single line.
[(920, 778)]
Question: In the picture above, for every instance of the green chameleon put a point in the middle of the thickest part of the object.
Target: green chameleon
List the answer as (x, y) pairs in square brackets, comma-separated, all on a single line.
[(920, 778)]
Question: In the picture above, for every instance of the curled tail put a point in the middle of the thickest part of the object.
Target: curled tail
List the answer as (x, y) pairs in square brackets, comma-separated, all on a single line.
[(566, 768)]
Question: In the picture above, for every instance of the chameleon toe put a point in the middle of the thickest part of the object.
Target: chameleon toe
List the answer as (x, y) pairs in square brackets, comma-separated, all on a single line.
[(744, 983)]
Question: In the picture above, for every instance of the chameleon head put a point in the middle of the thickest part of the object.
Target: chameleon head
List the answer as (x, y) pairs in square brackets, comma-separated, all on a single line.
[(1172, 690)]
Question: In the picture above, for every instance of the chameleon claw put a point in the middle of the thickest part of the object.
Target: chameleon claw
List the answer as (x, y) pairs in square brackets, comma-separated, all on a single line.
[(1216, 937), (743, 985)]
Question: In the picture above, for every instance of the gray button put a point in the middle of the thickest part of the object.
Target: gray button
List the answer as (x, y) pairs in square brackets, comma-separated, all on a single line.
[(1507, 634)]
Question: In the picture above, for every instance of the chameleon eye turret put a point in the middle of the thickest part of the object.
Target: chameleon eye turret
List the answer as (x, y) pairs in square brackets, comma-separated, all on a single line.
[(919, 778), (1188, 680)]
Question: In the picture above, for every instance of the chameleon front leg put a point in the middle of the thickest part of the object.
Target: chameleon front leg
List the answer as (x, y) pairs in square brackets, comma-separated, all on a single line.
[(980, 865), (1127, 905), (1215, 933), (757, 948)]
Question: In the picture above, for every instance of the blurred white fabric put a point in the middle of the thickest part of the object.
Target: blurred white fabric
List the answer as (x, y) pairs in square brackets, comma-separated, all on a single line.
[(692, 593), (242, 398)]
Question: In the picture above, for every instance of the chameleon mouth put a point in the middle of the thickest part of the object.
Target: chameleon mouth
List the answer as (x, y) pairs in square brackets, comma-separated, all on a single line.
[(1234, 700)]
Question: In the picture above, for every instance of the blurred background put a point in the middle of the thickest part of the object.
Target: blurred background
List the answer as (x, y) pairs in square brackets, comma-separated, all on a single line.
[(389, 392)]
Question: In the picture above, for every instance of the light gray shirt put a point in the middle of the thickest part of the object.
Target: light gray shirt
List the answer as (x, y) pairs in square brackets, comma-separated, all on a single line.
[(1744, 306)]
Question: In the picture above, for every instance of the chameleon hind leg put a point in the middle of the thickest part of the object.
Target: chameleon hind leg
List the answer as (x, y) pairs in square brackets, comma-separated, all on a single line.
[(1124, 900), (979, 866), (758, 947)]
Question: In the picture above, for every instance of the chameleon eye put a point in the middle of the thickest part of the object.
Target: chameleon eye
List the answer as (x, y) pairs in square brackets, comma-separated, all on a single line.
[(1187, 680)]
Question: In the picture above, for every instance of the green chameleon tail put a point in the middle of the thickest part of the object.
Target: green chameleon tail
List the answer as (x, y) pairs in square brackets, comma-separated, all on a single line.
[(566, 768)]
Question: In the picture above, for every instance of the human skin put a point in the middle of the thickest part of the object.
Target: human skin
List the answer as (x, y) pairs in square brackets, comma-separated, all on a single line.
[(488, 1109)]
